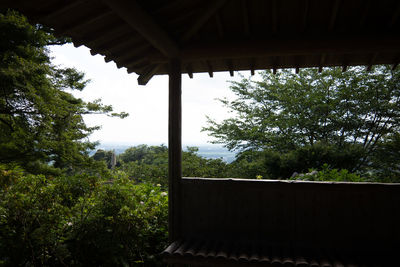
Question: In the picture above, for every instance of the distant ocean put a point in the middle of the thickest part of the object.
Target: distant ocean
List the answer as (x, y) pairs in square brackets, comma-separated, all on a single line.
[(206, 151)]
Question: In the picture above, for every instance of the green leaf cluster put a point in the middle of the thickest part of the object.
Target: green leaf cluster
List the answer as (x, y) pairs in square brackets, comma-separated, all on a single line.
[(80, 221), (41, 123), (289, 122)]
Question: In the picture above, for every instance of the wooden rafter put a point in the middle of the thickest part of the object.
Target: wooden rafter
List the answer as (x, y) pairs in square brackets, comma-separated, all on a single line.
[(274, 65), (252, 65), (213, 7), (120, 49), (145, 77), (321, 62), (113, 34), (335, 10), (134, 59), (189, 70), (134, 50), (372, 61), (142, 22), (229, 64), (84, 22), (60, 11), (344, 66), (210, 68)]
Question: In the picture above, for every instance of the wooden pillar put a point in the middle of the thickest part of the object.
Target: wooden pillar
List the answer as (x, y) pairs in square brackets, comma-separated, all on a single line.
[(174, 148)]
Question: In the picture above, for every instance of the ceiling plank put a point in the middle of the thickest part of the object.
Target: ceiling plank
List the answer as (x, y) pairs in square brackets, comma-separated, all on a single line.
[(205, 16), (142, 22)]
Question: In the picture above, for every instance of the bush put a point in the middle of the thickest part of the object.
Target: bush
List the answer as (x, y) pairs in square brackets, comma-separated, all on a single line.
[(327, 174), (80, 221)]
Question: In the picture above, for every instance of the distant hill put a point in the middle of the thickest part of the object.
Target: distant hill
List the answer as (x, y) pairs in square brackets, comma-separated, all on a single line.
[(206, 151)]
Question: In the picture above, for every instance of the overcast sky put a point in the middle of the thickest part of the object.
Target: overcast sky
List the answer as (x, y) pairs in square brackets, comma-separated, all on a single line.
[(147, 105)]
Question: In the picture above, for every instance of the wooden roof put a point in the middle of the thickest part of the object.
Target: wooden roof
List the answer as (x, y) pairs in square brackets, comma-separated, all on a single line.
[(226, 35)]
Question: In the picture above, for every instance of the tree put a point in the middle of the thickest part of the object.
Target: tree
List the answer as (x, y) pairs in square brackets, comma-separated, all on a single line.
[(344, 116), (41, 123)]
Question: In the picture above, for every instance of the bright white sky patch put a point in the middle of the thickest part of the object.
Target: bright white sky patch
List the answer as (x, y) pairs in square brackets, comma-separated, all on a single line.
[(147, 105)]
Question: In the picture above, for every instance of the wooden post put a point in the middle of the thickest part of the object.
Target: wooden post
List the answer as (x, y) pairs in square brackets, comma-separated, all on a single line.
[(174, 148)]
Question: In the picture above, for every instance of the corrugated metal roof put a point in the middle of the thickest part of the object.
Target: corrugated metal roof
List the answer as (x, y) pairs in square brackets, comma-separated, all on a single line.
[(214, 253), (226, 35)]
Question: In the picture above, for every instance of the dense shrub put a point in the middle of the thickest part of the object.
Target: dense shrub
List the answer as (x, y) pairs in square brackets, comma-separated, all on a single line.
[(80, 221), (328, 174)]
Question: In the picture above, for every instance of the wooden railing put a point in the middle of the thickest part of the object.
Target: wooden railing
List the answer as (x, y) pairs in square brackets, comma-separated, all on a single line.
[(357, 218)]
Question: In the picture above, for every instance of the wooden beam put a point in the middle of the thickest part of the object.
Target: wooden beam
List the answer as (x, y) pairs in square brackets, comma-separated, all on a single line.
[(145, 77), (174, 149), (134, 15), (245, 17), (286, 47), (297, 70), (344, 67), (213, 7), (335, 10)]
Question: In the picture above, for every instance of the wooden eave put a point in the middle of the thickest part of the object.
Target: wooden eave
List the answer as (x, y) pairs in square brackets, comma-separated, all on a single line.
[(226, 35)]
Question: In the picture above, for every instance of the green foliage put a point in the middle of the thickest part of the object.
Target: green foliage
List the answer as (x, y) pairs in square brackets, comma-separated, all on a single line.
[(80, 221), (305, 120), (150, 164), (41, 125), (328, 174)]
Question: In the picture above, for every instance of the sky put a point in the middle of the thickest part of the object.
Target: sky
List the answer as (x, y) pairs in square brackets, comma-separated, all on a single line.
[(147, 105)]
